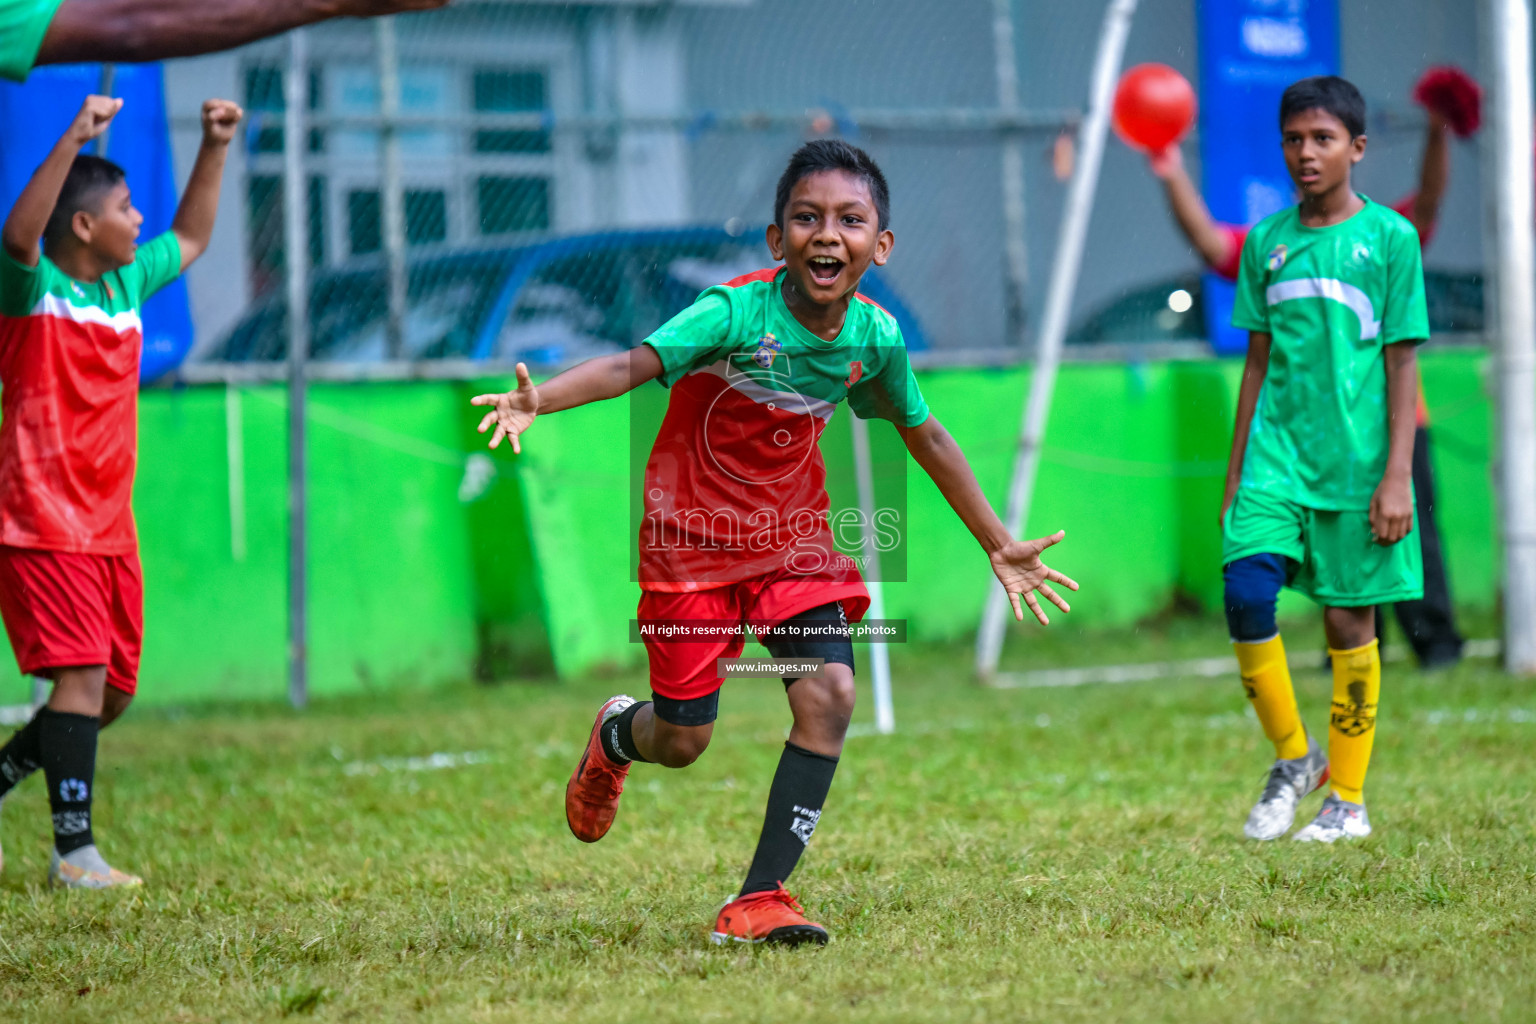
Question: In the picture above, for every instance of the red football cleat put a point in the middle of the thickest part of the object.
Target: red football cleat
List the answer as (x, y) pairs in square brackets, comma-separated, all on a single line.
[(592, 795), (774, 916)]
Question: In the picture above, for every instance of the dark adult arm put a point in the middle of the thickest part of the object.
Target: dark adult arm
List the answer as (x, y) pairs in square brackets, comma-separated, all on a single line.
[(144, 30), (1189, 210), (1434, 174)]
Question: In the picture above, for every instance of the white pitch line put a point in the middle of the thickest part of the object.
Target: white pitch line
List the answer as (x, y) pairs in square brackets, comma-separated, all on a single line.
[(1201, 668), (1146, 672)]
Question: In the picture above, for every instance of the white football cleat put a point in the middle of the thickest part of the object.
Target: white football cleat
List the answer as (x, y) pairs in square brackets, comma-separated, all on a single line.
[(1339, 819), (1288, 782), (90, 872)]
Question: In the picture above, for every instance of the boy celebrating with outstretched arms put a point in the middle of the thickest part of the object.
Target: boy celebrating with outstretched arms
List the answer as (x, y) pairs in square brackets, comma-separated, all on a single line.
[(1319, 496), (735, 526), (71, 591)]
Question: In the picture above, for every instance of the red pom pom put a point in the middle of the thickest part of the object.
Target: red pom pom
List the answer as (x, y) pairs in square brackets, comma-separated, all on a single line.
[(1454, 95)]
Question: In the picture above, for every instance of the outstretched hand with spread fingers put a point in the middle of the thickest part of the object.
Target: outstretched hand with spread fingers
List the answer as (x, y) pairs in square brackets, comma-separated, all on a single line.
[(513, 412), (1023, 575)]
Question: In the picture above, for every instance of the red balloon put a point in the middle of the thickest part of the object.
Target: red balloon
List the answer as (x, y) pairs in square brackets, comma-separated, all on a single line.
[(1154, 107)]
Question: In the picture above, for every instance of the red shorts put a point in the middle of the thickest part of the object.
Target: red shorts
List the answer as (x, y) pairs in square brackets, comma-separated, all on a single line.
[(65, 610), (685, 671)]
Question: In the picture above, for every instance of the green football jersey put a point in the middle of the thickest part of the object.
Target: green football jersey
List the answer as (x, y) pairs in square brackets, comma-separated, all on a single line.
[(1330, 299), (23, 23)]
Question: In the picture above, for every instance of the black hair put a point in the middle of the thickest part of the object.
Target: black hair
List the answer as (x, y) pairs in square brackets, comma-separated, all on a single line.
[(1328, 93), (833, 155), (89, 177)]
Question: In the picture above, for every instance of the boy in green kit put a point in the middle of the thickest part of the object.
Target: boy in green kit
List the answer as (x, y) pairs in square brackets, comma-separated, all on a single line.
[(1319, 496)]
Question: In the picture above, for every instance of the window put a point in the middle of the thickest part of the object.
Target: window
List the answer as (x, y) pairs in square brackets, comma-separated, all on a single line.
[(510, 92), (264, 239), (426, 219), (512, 204), (465, 183), (266, 102)]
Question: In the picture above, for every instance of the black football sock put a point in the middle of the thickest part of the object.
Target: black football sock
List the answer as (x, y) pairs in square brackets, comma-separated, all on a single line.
[(67, 745), (619, 735), (794, 807), (19, 757)]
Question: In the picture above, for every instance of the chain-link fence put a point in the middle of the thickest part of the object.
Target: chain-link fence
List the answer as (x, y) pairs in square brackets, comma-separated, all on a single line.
[(549, 181)]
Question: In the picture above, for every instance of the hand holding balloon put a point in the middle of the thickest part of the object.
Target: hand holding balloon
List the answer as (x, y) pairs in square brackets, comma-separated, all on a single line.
[(1154, 107)]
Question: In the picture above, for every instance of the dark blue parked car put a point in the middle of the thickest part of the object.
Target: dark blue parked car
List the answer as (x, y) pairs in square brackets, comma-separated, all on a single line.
[(545, 303)]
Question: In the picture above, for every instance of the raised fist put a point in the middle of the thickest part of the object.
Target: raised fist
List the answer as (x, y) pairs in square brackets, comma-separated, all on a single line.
[(220, 118), (95, 114)]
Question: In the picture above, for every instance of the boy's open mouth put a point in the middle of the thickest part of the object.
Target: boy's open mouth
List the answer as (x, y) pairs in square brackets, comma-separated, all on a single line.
[(824, 269)]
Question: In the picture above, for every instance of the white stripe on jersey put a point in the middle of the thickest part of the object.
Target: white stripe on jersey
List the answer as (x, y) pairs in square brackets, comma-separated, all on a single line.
[(56, 306), (1328, 288)]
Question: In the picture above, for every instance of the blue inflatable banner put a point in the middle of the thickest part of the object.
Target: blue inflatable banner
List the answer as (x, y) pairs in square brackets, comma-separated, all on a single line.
[(1250, 50), (34, 115)]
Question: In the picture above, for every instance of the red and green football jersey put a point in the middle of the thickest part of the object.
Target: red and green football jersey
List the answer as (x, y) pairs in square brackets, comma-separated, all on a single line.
[(69, 386), (735, 487)]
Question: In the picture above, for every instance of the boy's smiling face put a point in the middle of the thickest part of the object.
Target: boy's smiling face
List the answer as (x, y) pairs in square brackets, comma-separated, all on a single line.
[(831, 235), (1319, 152)]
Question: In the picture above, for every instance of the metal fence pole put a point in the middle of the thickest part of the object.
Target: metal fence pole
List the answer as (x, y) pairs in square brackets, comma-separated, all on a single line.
[(1014, 251), (104, 86), (1058, 301), (296, 263), (879, 653), (391, 192), (1508, 205)]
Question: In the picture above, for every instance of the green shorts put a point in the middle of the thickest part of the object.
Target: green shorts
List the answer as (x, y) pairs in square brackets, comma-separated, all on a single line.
[(1333, 559)]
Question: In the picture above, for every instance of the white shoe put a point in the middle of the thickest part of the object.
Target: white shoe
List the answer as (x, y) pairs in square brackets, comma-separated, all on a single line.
[(1339, 819), (92, 873), (1288, 782)]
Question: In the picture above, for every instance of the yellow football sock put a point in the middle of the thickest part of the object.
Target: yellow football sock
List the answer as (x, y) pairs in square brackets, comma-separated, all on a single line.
[(1267, 680), (1352, 726)]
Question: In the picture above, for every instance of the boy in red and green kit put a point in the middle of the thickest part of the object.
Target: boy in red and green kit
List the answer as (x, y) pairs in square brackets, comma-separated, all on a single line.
[(735, 527), (71, 591)]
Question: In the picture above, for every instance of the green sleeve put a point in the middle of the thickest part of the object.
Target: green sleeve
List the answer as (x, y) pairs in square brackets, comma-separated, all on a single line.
[(696, 337), (1406, 317), (155, 265), (23, 23), (21, 286), (1250, 310), (891, 392)]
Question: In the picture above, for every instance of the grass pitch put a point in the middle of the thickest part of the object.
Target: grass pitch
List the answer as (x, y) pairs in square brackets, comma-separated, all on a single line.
[(1053, 855)]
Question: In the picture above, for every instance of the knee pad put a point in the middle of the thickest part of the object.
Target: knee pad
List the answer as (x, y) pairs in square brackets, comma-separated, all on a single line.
[(1252, 588)]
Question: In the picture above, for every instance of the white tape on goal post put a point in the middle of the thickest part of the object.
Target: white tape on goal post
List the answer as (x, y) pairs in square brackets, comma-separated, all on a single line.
[(879, 653)]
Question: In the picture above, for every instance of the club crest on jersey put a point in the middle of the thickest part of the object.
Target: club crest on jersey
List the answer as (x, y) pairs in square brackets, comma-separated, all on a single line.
[(855, 372), (768, 348), (1276, 258)]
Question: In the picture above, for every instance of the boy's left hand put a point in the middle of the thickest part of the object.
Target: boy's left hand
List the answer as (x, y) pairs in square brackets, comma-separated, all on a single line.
[(1392, 510), (220, 119), (1022, 574)]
